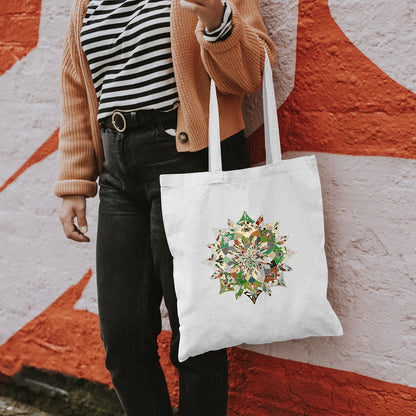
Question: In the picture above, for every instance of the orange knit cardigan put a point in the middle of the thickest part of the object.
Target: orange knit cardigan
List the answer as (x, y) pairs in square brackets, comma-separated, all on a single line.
[(235, 64)]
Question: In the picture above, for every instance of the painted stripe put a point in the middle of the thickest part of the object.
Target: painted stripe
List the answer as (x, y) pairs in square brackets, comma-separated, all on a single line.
[(30, 91), (342, 102), (35, 249), (384, 31), (19, 30), (46, 149), (265, 386), (259, 385)]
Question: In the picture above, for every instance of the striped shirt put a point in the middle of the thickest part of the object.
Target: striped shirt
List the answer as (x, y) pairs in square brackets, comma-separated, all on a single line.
[(127, 46)]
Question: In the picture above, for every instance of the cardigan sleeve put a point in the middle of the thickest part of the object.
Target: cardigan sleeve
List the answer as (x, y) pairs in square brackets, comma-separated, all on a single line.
[(77, 167), (236, 63)]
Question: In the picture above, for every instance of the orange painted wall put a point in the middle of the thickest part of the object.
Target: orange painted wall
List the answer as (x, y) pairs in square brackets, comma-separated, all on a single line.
[(19, 30)]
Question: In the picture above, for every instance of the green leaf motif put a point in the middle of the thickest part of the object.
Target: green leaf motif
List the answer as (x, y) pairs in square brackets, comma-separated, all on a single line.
[(250, 257)]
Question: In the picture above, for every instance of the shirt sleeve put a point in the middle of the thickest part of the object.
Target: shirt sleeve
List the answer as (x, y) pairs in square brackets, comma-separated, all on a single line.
[(224, 30)]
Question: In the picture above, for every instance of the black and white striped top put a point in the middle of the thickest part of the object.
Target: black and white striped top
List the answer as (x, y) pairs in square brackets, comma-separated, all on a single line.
[(128, 49)]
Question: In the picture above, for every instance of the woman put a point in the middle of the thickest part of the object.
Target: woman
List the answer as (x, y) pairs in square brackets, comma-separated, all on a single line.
[(135, 78)]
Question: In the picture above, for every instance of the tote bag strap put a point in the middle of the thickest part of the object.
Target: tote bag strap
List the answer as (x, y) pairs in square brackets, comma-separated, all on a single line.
[(271, 125)]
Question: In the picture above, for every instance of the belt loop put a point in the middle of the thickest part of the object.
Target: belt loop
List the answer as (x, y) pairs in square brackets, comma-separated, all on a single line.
[(133, 115), (153, 115)]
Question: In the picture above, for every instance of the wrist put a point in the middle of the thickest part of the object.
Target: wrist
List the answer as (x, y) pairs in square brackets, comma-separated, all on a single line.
[(217, 22), (224, 29), (75, 196)]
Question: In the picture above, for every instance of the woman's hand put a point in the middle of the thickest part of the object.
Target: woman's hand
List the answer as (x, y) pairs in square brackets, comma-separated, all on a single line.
[(209, 12), (74, 206)]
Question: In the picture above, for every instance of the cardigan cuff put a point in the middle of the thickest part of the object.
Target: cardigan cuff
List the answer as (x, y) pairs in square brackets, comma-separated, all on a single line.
[(230, 41), (75, 187)]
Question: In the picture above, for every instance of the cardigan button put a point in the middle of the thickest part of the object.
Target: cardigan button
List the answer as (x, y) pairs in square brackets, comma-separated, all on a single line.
[(183, 137)]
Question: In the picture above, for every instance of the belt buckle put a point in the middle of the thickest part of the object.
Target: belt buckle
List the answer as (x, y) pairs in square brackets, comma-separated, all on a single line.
[(114, 122)]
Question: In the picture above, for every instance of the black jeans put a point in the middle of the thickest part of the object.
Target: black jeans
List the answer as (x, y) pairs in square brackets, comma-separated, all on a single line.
[(134, 271)]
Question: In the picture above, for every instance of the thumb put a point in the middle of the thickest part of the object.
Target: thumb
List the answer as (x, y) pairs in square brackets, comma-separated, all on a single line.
[(82, 220)]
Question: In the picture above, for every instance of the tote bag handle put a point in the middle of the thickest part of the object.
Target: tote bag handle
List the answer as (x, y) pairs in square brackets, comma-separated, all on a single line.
[(271, 125)]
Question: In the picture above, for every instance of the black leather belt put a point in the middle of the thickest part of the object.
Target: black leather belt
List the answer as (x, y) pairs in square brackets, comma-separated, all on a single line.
[(134, 119)]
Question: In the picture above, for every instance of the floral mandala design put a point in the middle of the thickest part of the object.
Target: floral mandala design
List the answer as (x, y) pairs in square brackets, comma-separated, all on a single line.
[(249, 257)]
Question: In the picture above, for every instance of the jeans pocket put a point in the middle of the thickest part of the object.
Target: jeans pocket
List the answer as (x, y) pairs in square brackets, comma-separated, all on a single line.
[(167, 133)]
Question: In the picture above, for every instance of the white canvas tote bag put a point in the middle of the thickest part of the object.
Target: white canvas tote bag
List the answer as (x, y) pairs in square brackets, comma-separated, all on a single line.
[(248, 246)]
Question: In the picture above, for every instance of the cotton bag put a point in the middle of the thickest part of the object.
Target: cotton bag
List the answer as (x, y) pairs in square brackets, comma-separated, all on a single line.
[(249, 263)]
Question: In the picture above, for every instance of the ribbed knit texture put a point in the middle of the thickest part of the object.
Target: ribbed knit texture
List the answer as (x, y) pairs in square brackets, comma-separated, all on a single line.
[(235, 64)]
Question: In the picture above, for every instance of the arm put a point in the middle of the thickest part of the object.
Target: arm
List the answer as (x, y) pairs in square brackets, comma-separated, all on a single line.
[(77, 168), (236, 63)]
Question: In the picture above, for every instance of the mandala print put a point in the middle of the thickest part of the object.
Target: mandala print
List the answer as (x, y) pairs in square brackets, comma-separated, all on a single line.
[(249, 257)]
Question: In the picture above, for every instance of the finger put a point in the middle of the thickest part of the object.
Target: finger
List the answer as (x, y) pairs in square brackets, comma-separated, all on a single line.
[(199, 2), (76, 235), (70, 230), (191, 6)]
